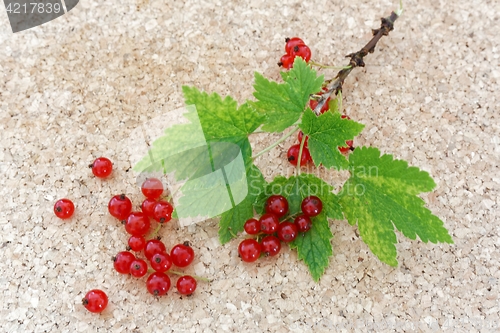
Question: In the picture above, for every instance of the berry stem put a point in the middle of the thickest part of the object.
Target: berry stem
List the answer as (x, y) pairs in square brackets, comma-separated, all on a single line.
[(357, 57), (283, 138), (299, 158), (204, 279), (314, 63), (155, 232)]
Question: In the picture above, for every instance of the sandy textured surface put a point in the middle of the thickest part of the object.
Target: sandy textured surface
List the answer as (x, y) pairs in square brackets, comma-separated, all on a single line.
[(76, 88)]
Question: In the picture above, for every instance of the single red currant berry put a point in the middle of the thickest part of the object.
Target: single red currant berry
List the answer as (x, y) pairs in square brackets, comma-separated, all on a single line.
[(122, 262), (293, 155), (252, 227), (300, 136), (153, 247), (182, 254), (138, 268), (302, 51), (291, 43), (286, 61), (277, 205), (152, 188), (186, 285), (95, 301), (158, 283), (269, 223), (287, 231), (137, 224), (303, 223), (148, 207), (101, 167), (163, 211), (64, 208), (311, 206), (136, 243), (249, 250), (161, 262), (270, 245), (120, 206)]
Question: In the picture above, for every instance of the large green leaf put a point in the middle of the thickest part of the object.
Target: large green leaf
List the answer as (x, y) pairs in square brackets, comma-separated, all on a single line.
[(382, 194)]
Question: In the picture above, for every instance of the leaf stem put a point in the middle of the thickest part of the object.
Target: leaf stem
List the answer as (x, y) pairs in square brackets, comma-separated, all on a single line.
[(283, 138)]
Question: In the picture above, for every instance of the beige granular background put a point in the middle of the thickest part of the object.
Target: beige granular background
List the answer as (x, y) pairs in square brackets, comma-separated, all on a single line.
[(76, 88)]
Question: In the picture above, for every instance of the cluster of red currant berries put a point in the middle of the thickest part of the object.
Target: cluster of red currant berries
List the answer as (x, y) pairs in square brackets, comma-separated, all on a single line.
[(294, 47), (271, 232), (137, 224)]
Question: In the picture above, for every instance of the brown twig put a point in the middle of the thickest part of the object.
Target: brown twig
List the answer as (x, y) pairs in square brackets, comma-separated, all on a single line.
[(357, 59)]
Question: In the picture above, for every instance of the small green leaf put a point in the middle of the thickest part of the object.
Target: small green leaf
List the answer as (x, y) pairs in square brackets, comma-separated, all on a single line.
[(314, 247), (282, 104), (326, 133), (382, 194)]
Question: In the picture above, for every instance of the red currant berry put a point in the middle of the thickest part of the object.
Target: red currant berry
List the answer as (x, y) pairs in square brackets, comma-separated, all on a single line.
[(270, 245), (269, 223), (252, 227), (186, 285), (249, 250), (291, 43), (277, 205), (95, 301), (302, 51), (311, 206), (287, 231), (152, 188), (148, 207), (300, 136), (161, 262), (158, 283), (182, 254), (101, 167), (303, 223), (136, 243), (120, 206), (293, 155), (137, 224), (138, 268), (64, 208), (163, 211), (286, 61), (122, 262), (153, 247)]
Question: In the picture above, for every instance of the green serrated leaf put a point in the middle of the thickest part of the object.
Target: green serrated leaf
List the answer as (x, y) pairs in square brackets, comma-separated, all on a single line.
[(313, 247), (326, 133), (282, 104), (382, 194), (232, 221)]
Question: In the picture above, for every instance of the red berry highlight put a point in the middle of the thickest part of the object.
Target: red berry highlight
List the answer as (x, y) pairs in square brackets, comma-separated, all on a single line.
[(158, 283), (153, 247), (311, 206), (277, 205), (148, 207), (270, 245), (162, 211), (287, 231), (136, 243), (252, 226), (291, 43), (186, 285), (122, 262), (161, 262), (120, 206), (95, 301), (269, 223), (64, 208), (138, 268), (293, 155), (303, 223), (152, 188), (101, 167), (249, 250), (137, 224), (182, 255)]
